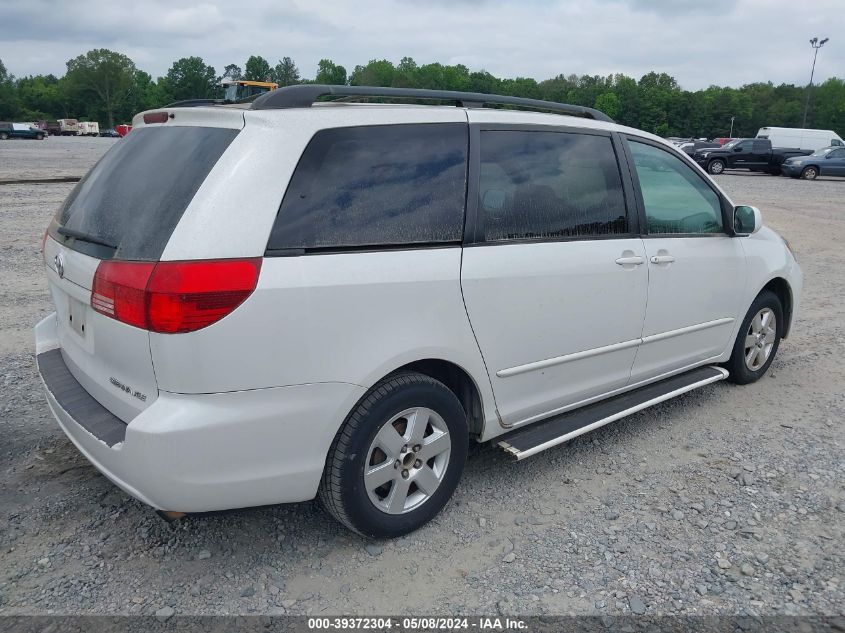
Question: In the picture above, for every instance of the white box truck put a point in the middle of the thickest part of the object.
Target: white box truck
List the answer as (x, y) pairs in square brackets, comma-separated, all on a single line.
[(801, 138), (89, 128), (68, 127)]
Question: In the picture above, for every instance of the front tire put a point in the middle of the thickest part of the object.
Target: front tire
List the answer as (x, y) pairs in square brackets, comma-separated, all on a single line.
[(716, 167), (4, 136), (398, 457), (810, 173), (758, 339)]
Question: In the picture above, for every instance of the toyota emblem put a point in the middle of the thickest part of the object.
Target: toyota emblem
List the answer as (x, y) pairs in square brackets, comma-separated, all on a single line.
[(60, 266)]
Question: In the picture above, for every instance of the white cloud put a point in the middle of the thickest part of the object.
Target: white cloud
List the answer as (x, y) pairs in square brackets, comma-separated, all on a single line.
[(699, 42)]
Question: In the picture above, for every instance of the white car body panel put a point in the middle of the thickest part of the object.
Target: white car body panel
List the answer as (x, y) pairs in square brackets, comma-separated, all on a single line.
[(677, 334), (403, 306), (243, 412), (557, 322), (106, 349)]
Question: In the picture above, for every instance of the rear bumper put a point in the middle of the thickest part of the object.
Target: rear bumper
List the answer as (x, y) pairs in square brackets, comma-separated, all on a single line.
[(197, 453)]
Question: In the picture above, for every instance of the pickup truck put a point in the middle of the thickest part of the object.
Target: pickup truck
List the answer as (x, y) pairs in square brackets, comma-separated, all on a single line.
[(756, 154)]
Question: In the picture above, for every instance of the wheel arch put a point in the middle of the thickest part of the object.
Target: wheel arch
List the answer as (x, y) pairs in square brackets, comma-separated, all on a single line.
[(783, 291), (457, 380)]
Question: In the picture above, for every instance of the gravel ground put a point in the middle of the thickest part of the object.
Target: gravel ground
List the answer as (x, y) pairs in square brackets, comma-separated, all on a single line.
[(727, 500)]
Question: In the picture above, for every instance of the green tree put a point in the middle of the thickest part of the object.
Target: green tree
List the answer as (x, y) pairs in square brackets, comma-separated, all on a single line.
[(8, 94), (829, 110), (608, 103), (190, 78), (103, 79), (257, 69), (330, 73), (232, 71), (39, 97), (375, 73), (286, 73)]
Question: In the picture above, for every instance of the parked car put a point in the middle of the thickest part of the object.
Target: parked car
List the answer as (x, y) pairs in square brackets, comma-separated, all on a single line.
[(723, 139), (754, 154), (122, 130), (828, 161), (238, 324), (20, 130), (691, 147), (801, 138), (111, 133)]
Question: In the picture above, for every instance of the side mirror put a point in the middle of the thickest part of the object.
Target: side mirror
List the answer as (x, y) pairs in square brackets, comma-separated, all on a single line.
[(829, 155), (747, 220), (737, 149)]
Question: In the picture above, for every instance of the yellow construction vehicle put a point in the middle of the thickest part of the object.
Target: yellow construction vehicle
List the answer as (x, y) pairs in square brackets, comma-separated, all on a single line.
[(237, 89)]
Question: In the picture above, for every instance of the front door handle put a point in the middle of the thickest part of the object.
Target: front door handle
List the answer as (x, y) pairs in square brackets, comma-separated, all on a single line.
[(662, 259)]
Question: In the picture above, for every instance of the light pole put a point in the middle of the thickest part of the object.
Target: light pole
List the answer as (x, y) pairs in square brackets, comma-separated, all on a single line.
[(732, 127), (816, 44)]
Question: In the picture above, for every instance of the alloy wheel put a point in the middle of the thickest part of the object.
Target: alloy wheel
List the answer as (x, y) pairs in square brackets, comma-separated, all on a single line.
[(760, 339), (407, 460)]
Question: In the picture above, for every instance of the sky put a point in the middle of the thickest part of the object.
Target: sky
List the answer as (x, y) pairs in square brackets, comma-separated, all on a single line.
[(699, 42)]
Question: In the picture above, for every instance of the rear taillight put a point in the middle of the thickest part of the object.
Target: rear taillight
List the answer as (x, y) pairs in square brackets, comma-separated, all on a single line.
[(173, 297)]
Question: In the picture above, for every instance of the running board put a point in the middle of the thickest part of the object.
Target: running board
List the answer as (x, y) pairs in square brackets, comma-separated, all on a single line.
[(528, 441)]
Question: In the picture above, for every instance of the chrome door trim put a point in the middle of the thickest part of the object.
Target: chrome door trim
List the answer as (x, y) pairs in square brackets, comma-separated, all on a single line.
[(686, 330), (559, 360)]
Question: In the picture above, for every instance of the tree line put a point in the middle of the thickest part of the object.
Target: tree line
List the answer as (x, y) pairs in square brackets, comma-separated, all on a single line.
[(106, 86)]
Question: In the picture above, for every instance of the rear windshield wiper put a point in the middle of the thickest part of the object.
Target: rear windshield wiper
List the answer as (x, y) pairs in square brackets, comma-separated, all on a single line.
[(84, 237)]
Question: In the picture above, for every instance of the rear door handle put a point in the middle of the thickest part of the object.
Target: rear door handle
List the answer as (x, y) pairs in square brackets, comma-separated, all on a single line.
[(635, 260), (662, 259)]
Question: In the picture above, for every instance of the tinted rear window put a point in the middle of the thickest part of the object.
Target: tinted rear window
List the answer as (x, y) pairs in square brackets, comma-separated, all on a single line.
[(135, 196), (549, 185), (384, 185)]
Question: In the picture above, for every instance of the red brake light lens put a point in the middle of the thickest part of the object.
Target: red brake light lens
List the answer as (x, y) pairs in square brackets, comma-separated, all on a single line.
[(156, 117), (173, 297)]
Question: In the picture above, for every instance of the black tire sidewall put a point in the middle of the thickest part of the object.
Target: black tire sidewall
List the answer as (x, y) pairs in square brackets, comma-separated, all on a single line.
[(361, 512), (739, 371)]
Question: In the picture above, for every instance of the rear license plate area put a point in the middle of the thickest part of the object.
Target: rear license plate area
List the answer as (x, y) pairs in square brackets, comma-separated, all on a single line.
[(76, 316)]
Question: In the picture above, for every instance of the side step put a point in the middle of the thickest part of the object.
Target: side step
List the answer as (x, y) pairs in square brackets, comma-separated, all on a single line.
[(530, 440)]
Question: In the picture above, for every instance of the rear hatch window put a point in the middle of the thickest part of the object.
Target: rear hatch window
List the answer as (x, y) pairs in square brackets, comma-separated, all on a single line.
[(130, 202)]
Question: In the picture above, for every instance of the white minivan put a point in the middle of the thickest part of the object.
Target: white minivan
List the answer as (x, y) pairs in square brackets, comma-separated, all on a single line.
[(260, 303), (801, 138)]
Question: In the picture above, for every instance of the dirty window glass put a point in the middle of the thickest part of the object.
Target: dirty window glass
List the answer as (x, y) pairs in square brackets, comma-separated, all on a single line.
[(677, 200), (547, 185), (136, 194), (383, 185)]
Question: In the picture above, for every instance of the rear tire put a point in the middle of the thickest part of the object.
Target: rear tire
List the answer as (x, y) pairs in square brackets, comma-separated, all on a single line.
[(39, 137), (398, 457), (716, 167), (810, 173), (4, 136), (758, 339)]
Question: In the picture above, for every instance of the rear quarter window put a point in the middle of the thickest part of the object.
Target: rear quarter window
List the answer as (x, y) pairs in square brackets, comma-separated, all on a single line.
[(375, 186), (135, 196)]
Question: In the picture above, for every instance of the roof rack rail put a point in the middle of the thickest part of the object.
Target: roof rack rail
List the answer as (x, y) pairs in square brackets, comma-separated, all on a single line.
[(304, 96), (195, 103)]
